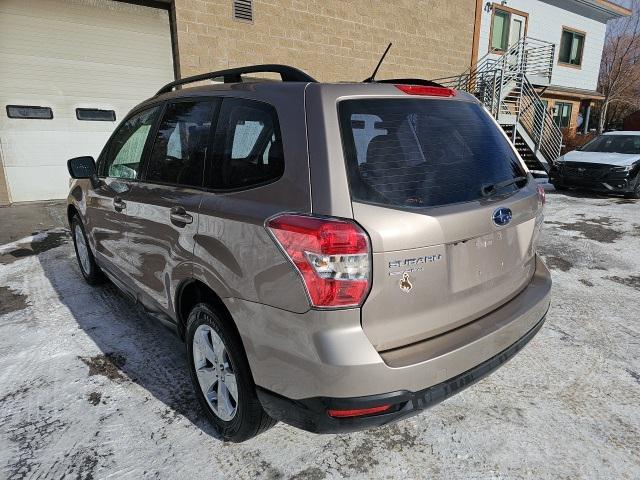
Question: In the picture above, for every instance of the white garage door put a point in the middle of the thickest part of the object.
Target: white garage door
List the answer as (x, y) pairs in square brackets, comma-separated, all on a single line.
[(98, 56)]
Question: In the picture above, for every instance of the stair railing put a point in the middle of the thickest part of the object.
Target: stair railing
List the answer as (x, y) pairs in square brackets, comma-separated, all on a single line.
[(530, 112), (502, 85)]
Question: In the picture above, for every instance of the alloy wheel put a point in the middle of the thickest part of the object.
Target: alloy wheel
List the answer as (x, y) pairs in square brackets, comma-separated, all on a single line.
[(215, 373)]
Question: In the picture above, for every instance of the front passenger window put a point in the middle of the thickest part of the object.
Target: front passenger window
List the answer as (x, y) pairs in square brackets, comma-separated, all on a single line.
[(123, 155)]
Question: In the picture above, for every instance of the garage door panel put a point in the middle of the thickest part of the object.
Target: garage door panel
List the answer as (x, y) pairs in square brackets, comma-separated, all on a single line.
[(28, 184), (68, 54), (87, 80), (16, 127), (51, 40), (106, 14), (43, 148)]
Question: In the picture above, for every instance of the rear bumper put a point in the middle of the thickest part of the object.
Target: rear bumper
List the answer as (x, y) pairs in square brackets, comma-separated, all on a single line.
[(302, 363), (311, 414)]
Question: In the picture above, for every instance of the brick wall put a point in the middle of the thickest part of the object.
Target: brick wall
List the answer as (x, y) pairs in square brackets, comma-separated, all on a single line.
[(330, 39)]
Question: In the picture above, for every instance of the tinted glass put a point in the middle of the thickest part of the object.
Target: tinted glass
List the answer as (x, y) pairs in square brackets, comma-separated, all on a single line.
[(629, 144), (180, 147), (25, 111), (423, 153), (248, 146), (124, 152), (95, 115)]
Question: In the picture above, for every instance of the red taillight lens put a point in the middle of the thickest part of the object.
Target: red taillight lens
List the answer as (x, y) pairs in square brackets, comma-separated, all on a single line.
[(542, 196), (332, 255), (426, 90), (358, 412)]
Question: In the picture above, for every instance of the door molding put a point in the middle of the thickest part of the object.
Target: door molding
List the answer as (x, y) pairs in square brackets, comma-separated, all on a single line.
[(510, 11)]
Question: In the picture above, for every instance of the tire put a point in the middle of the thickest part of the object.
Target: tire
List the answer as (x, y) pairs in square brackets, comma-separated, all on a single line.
[(560, 188), (86, 261), (636, 191), (235, 419)]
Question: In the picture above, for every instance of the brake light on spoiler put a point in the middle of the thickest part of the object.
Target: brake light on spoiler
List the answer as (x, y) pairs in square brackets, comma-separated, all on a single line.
[(426, 90)]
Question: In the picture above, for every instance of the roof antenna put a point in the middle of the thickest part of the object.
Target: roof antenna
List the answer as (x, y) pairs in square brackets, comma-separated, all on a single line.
[(371, 79)]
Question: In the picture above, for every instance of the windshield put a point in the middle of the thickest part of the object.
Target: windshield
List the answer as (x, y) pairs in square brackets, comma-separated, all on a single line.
[(629, 144), (424, 153)]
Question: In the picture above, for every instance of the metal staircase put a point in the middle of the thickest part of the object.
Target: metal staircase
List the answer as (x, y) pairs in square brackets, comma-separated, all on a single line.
[(505, 85)]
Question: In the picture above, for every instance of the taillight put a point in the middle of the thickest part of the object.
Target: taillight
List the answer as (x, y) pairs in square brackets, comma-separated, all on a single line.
[(331, 255), (427, 90), (542, 196)]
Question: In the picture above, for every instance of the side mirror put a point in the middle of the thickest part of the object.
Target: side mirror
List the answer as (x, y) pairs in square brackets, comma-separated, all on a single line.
[(83, 167)]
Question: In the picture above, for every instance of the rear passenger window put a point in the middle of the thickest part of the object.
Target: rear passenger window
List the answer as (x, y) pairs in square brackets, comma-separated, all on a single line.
[(248, 146), (180, 146)]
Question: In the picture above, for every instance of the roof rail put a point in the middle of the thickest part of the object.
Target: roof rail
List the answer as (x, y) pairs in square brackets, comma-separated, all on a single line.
[(410, 81), (233, 75)]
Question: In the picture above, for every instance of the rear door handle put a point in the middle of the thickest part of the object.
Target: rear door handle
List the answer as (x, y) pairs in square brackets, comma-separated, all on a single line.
[(119, 204), (179, 217)]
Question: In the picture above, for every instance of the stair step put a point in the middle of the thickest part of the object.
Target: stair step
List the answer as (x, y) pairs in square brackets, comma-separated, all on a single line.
[(527, 155)]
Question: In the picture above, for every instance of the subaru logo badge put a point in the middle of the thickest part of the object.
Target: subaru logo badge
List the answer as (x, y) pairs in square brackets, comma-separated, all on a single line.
[(502, 216)]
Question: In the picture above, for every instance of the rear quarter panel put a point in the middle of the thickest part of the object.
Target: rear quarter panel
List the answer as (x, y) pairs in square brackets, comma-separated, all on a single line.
[(234, 254)]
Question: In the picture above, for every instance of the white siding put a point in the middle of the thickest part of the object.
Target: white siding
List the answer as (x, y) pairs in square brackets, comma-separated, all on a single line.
[(545, 23), (66, 54)]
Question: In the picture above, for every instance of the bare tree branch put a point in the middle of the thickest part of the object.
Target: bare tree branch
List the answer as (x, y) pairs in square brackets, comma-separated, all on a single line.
[(619, 78)]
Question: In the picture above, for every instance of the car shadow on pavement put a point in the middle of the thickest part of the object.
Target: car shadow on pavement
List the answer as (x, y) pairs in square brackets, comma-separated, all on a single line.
[(134, 347)]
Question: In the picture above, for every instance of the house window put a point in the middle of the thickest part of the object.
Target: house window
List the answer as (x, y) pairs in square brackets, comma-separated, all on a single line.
[(500, 30), (562, 114), (507, 27), (571, 45)]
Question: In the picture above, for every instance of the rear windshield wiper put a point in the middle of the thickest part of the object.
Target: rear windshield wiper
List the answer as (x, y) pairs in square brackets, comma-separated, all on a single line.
[(490, 188)]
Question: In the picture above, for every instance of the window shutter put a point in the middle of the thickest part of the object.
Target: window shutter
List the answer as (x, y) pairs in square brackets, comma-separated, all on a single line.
[(243, 10)]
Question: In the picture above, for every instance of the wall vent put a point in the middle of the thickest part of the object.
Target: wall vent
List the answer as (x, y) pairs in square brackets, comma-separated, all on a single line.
[(243, 10)]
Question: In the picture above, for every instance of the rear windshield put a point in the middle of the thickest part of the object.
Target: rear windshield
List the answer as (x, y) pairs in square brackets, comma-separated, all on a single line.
[(629, 144), (423, 153)]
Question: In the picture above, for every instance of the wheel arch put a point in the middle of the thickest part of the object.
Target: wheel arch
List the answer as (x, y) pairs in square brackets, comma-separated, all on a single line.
[(191, 292), (71, 212)]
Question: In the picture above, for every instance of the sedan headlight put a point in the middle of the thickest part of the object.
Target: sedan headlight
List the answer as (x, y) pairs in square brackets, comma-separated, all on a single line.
[(626, 168)]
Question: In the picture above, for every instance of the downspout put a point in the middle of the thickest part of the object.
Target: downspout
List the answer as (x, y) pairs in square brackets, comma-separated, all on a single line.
[(585, 128)]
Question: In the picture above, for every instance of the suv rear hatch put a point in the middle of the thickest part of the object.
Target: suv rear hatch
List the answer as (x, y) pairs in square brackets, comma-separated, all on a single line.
[(450, 209)]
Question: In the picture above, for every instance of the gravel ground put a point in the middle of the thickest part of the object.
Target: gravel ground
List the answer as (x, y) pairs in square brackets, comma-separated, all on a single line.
[(90, 387)]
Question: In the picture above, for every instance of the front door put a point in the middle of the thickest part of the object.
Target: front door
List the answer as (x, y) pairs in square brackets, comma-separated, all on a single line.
[(107, 217), (164, 205)]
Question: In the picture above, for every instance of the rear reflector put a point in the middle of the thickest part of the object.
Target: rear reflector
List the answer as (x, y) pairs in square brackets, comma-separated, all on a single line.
[(332, 256), (426, 90), (357, 412)]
